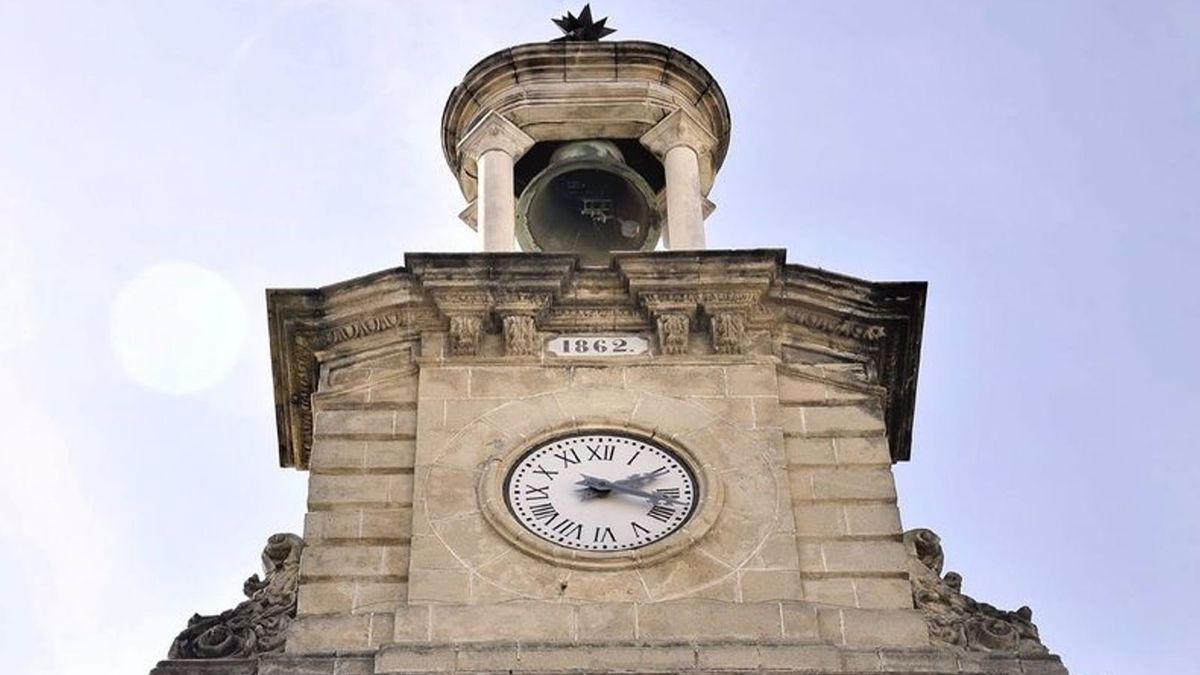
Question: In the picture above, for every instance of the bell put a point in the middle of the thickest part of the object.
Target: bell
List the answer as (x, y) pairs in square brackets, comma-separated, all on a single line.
[(590, 202)]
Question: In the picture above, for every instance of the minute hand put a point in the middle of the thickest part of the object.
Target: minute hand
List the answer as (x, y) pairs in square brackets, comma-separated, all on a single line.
[(601, 484)]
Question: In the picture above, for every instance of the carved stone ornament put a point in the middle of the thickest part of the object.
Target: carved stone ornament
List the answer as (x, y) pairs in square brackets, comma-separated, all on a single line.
[(257, 625), (956, 619), (464, 334), (520, 335), (673, 329), (728, 332)]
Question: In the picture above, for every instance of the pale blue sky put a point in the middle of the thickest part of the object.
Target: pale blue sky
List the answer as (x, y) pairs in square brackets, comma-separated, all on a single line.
[(1036, 162)]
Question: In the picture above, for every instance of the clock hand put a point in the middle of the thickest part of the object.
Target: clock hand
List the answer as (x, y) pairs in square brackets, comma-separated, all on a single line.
[(615, 486), (640, 479)]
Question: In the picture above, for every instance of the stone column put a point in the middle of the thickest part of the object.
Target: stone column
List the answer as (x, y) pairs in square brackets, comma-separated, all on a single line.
[(683, 145), (494, 145)]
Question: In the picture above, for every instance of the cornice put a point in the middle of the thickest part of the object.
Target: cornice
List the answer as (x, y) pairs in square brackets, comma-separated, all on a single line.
[(738, 298)]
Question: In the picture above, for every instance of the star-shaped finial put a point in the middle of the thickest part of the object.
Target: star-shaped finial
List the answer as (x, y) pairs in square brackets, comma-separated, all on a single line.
[(581, 28)]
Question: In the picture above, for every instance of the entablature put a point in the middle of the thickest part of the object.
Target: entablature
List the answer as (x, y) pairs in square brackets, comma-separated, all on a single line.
[(750, 303)]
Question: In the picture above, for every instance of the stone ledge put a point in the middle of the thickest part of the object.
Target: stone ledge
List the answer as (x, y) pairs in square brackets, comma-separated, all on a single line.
[(627, 657)]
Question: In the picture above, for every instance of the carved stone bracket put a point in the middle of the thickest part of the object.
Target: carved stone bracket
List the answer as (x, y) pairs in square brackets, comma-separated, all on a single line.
[(956, 619), (257, 625), (728, 332), (518, 311), (673, 329), (520, 335), (463, 338)]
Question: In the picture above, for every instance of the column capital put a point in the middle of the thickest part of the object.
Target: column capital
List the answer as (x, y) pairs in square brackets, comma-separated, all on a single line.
[(494, 132), (678, 128)]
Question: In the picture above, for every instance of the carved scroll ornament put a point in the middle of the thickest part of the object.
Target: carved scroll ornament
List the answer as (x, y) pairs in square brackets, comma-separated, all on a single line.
[(257, 625), (956, 619)]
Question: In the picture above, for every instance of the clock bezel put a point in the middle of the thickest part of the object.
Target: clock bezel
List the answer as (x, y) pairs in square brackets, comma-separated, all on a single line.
[(495, 507)]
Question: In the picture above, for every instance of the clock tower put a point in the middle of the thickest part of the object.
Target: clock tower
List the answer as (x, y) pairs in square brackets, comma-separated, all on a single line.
[(595, 445)]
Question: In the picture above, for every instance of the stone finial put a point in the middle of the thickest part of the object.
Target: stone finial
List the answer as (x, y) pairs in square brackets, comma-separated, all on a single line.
[(956, 619), (257, 625), (494, 132)]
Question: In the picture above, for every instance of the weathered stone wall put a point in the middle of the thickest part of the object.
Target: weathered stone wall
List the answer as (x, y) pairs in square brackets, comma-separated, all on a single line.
[(354, 571), (804, 543)]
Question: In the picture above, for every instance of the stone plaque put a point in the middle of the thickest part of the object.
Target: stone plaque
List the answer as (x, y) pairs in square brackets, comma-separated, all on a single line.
[(593, 346)]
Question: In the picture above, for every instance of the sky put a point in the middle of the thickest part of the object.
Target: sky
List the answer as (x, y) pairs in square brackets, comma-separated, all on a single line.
[(162, 163)]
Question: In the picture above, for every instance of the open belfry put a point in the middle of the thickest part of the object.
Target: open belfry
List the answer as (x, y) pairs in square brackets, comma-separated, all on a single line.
[(596, 446)]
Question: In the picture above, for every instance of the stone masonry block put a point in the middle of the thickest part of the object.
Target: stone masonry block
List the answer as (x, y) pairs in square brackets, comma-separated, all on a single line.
[(872, 519), (768, 414), (340, 455), (354, 422), (728, 657), (865, 556), (326, 634), (799, 621), (585, 377), (393, 390), (819, 519), (863, 450), (765, 585), (354, 561), (606, 621), (809, 484), (369, 524), (800, 390), (443, 383), (519, 620), (676, 380), (802, 658), (517, 382), (416, 659), (862, 418), (883, 593), (439, 586), (325, 598), (883, 628), (690, 620), (333, 491), (751, 381), (800, 450), (839, 592)]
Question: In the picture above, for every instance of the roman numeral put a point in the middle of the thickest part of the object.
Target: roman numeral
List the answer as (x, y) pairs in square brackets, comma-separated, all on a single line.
[(569, 528), (633, 458), (545, 512), (602, 535), (638, 530), (660, 512), (545, 472), (532, 492), (669, 493), (604, 452), (567, 461)]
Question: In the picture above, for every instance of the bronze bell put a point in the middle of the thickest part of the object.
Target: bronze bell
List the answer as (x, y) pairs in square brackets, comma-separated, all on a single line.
[(588, 201)]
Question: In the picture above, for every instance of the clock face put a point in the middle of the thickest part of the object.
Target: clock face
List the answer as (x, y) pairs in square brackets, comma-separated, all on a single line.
[(601, 492)]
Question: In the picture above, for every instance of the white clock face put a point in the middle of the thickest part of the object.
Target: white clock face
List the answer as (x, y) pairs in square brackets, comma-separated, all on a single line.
[(601, 492)]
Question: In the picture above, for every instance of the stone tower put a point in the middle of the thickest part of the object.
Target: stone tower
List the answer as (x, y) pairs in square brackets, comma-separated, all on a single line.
[(593, 455)]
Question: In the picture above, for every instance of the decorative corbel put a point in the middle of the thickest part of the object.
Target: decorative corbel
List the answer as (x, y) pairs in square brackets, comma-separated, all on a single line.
[(518, 311), (672, 313)]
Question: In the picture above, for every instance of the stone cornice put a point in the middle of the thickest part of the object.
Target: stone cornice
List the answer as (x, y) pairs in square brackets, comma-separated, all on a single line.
[(750, 303), (569, 90)]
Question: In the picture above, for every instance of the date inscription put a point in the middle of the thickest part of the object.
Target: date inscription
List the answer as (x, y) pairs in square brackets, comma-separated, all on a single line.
[(597, 345)]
